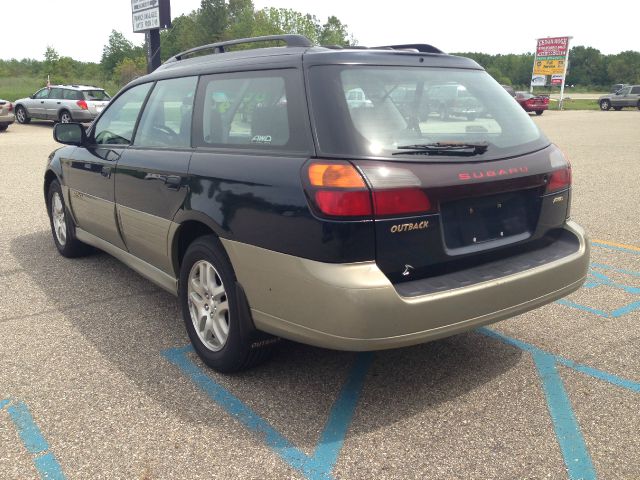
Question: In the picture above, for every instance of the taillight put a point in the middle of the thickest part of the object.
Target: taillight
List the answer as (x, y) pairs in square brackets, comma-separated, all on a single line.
[(338, 189), (400, 201), (10, 107), (559, 180), (560, 176), (82, 104)]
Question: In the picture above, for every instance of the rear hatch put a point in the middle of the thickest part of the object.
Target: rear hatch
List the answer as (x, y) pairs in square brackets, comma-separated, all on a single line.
[(446, 193), (96, 100)]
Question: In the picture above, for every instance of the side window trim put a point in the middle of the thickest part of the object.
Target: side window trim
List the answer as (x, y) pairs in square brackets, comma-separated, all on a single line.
[(140, 112)]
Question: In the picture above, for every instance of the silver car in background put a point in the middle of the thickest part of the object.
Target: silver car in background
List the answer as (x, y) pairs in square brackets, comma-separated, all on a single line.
[(63, 103), (6, 114)]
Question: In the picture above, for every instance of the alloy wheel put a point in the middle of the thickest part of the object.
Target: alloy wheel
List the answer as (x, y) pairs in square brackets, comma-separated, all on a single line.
[(59, 222), (208, 305)]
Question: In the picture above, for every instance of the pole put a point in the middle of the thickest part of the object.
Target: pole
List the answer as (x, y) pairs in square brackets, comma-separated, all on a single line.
[(535, 56), (564, 74), (153, 49)]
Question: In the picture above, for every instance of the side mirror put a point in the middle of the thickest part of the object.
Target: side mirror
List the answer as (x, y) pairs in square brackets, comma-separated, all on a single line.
[(70, 134)]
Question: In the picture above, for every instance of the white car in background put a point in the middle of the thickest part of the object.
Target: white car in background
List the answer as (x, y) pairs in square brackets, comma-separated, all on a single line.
[(6, 114), (63, 103)]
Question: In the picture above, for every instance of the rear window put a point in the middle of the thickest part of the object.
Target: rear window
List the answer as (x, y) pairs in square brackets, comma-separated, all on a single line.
[(402, 106), (96, 95)]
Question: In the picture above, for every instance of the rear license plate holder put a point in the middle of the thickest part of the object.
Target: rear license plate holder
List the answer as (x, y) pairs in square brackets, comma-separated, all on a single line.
[(483, 220)]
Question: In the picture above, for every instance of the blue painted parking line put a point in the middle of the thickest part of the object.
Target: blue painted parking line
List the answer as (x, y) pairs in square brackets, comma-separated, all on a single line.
[(33, 440), (597, 279), (321, 463), (572, 445), (570, 439)]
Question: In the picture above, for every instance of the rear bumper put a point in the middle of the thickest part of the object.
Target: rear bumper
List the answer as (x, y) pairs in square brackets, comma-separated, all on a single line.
[(83, 115), (7, 119), (355, 307)]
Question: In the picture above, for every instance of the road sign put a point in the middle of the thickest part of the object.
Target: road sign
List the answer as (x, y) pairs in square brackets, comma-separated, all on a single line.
[(150, 14)]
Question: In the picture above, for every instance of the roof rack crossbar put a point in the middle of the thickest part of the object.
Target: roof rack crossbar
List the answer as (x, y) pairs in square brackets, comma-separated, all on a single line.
[(219, 47), (420, 47)]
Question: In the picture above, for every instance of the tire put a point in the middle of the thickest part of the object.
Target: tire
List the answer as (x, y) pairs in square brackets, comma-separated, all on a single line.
[(539, 112), (65, 116), (605, 105), (224, 337), (617, 109), (638, 105), (3, 128), (62, 227), (21, 115)]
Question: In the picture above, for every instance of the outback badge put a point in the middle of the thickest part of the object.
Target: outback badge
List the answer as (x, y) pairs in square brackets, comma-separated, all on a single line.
[(409, 227)]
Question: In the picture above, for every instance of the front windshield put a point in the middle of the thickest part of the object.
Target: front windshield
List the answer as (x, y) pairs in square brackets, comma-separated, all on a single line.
[(376, 111)]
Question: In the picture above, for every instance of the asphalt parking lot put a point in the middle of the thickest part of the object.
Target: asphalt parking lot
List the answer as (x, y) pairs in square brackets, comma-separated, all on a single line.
[(97, 380)]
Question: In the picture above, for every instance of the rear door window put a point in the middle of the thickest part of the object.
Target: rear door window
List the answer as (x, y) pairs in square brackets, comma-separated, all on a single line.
[(56, 93), (261, 110)]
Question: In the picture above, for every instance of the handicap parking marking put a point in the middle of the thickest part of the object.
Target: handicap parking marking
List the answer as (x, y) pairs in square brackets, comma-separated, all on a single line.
[(317, 466), (567, 429), (32, 439), (320, 465), (597, 278)]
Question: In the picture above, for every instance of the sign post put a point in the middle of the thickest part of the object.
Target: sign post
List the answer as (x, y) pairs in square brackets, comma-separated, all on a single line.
[(149, 16), (552, 58)]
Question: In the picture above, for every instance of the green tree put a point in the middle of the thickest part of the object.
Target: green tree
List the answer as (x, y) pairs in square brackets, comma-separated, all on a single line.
[(624, 67), (334, 32), (115, 51)]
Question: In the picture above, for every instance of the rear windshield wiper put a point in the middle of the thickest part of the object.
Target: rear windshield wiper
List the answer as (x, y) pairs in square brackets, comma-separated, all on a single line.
[(444, 148)]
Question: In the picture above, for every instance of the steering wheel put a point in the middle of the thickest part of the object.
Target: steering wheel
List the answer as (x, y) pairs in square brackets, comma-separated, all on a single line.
[(172, 136)]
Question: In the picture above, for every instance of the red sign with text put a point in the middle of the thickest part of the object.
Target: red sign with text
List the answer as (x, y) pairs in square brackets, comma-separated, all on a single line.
[(552, 47)]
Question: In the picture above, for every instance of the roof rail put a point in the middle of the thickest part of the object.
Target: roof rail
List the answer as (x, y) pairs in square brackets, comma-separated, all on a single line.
[(420, 47), (219, 47)]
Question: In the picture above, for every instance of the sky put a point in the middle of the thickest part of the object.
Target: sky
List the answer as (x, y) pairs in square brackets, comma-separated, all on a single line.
[(80, 28)]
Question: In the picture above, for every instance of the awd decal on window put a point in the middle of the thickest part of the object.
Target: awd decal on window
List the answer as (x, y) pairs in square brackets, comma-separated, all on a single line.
[(261, 139)]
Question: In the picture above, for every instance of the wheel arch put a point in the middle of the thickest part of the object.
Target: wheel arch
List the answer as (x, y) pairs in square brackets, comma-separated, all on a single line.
[(49, 177), (189, 229)]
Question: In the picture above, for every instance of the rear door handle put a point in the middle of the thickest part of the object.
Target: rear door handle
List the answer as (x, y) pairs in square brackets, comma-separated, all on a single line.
[(58, 103), (106, 172)]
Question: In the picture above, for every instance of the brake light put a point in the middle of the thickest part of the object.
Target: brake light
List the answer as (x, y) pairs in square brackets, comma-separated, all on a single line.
[(338, 189), (344, 203), (559, 180), (10, 107), (82, 104), (400, 201), (560, 177)]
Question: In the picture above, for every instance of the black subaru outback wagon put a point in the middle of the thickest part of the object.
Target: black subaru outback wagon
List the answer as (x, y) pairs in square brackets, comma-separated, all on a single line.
[(252, 185)]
